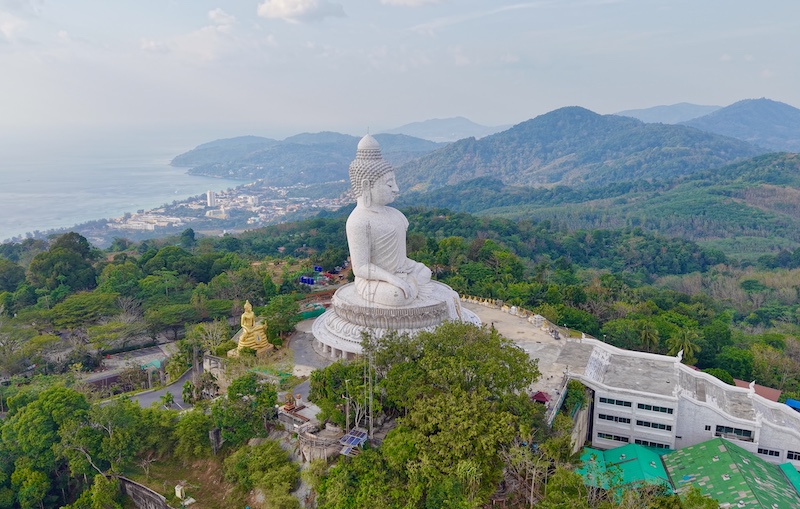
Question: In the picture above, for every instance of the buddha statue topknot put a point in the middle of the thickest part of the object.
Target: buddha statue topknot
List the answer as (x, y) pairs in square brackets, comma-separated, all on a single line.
[(391, 291)]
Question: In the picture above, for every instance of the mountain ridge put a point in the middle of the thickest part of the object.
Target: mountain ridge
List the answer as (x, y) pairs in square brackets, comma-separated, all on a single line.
[(446, 129), (575, 146), (771, 124), (669, 114)]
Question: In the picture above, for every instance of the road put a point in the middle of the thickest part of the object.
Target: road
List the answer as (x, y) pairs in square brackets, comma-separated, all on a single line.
[(146, 399)]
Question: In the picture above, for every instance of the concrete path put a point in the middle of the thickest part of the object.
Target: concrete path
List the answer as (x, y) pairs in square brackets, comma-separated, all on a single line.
[(146, 399)]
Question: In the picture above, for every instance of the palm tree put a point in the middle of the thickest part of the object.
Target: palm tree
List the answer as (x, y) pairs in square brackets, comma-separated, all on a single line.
[(684, 340), (649, 337)]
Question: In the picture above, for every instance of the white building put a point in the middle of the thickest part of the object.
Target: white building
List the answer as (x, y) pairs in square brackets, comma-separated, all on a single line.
[(656, 400), (211, 199)]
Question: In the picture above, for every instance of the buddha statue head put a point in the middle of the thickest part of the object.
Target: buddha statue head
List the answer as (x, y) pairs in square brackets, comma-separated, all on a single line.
[(369, 168)]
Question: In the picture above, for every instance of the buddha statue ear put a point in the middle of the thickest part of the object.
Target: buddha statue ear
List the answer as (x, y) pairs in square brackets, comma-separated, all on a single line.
[(366, 192)]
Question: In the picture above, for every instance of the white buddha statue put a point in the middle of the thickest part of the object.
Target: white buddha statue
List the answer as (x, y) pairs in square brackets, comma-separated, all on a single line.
[(377, 234), (391, 292)]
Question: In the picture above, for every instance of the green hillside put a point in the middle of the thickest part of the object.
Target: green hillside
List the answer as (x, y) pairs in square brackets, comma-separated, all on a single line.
[(575, 146), (746, 209)]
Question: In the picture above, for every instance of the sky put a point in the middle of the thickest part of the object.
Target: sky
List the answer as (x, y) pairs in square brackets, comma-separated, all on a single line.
[(280, 67)]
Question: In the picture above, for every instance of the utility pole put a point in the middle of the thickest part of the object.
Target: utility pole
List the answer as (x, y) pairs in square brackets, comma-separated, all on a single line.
[(369, 368), (347, 407)]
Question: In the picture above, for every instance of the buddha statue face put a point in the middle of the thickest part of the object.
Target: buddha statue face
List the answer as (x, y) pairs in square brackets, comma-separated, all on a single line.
[(383, 190)]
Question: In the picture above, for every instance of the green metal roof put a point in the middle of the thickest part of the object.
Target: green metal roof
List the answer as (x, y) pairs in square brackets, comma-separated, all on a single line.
[(629, 464), (727, 473), (791, 473)]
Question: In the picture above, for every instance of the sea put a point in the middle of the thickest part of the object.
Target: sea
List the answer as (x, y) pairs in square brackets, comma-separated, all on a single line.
[(57, 184)]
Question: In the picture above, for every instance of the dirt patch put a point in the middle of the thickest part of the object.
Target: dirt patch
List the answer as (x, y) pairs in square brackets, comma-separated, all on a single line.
[(203, 480)]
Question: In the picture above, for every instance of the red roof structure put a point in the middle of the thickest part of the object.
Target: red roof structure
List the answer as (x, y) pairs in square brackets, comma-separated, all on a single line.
[(541, 397), (765, 392)]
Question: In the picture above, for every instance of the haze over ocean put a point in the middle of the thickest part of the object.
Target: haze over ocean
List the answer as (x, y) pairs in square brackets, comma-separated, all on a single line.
[(45, 185)]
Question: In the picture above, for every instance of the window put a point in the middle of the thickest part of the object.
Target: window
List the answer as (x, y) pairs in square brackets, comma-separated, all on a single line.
[(735, 433), (618, 402), (614, 418), (791, 455), (708, 428), (769, 452), (654, 425), (654, 408), (651, 444), (616, 438)]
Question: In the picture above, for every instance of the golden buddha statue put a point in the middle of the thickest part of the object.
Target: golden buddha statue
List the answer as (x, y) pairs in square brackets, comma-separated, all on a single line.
[(254, 334)]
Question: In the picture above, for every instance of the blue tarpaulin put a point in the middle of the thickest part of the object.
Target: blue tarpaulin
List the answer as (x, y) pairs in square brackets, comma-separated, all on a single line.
[(794, 404)]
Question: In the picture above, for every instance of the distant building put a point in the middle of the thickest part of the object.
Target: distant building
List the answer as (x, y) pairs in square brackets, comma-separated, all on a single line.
[(217, 213), (211, 199)]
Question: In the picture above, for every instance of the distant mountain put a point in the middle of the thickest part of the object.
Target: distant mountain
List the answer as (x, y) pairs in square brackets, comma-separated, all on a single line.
[(446, 129), (576, 146), (222, 150), (672, 114), (770, 124), (303, 158)]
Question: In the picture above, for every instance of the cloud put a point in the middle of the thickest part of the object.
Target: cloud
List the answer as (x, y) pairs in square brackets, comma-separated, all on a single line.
[(10, 26), (221, 18), (410, 3), (204, 44), (766, 73), (296, 11), (725, 58), (437, 24), (25, 6), (153, 46)]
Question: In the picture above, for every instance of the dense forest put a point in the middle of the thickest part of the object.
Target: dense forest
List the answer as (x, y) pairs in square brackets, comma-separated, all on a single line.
[(747, 209), (65, 304)]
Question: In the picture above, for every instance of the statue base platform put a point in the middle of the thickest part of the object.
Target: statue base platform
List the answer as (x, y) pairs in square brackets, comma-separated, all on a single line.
[(338, 331), (234, 353)]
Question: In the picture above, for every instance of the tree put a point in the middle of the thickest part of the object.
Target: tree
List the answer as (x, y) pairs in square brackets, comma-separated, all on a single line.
[(188, 239), (67, 262), (455, 355), (684, 340), (34, 429), (281, 315), (209, 335), (31, 486), (267, 467), (721, 374), (191, 435), (173, 317), (11, 275), (649, 337), (167, 399), (737, 361), (247, 410), (83, 308), (120, 278)]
